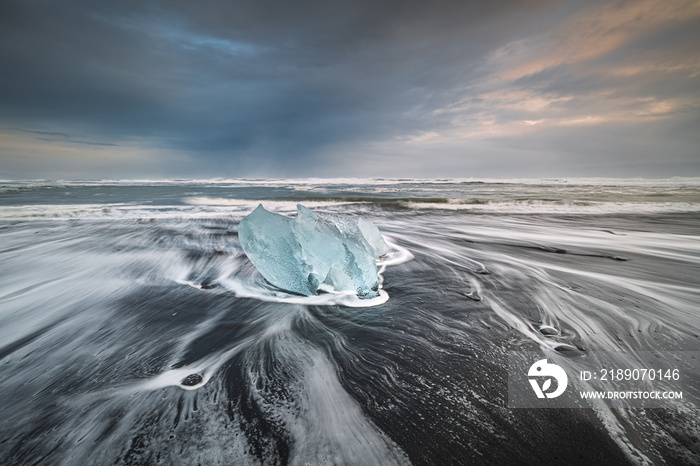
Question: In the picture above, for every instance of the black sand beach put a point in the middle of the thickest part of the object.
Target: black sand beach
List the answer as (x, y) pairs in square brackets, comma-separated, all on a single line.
[(139, 333)]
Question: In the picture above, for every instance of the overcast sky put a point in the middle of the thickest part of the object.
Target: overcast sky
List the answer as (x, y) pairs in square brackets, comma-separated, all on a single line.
[(177, 88)]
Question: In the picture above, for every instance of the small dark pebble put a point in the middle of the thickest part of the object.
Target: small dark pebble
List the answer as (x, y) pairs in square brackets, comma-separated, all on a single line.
[(620, 258), (483, 272), (570, 351), (473, 296), (553, 249), (207, 286), (191, 380), (613, 233), (546, 330)]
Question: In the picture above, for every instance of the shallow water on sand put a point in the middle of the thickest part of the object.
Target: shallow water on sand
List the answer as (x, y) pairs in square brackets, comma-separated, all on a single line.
[(149, 337)]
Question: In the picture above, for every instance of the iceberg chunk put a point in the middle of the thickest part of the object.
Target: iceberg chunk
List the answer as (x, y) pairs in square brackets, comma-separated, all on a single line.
[(313, 251), (373, 237)]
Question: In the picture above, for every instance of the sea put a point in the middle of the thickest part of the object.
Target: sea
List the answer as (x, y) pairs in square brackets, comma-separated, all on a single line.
[(135, 331)]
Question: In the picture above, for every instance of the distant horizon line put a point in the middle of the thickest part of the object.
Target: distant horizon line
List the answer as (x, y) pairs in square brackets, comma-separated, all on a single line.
[(354, 180)]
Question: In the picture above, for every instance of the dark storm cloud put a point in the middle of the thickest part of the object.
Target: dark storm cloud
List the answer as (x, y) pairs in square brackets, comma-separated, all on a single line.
[(295, 88)]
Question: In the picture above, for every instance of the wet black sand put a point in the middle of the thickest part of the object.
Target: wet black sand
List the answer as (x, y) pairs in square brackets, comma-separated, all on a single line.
[(95, 313)]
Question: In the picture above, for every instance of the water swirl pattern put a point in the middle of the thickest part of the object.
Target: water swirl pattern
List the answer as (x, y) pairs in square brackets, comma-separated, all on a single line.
[(134, 330)]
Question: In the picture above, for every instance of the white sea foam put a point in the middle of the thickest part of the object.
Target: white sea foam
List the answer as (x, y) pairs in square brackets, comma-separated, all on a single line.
[(202, 208), (558, 207), (250, 287), (277, 206), (114, 211)]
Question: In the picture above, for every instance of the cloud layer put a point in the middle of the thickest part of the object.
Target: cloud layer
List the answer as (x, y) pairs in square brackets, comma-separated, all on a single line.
[(311, 88)]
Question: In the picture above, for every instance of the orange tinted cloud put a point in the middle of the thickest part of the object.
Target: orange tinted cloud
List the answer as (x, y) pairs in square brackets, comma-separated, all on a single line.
[(597, 31)]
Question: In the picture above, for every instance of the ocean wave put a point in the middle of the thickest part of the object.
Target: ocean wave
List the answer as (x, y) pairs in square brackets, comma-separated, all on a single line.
[(203, 208), (290, 204), (534, 206), (142, 213)]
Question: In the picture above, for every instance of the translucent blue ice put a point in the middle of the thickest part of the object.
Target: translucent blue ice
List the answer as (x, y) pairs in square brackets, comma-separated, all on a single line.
[(313, 251)]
